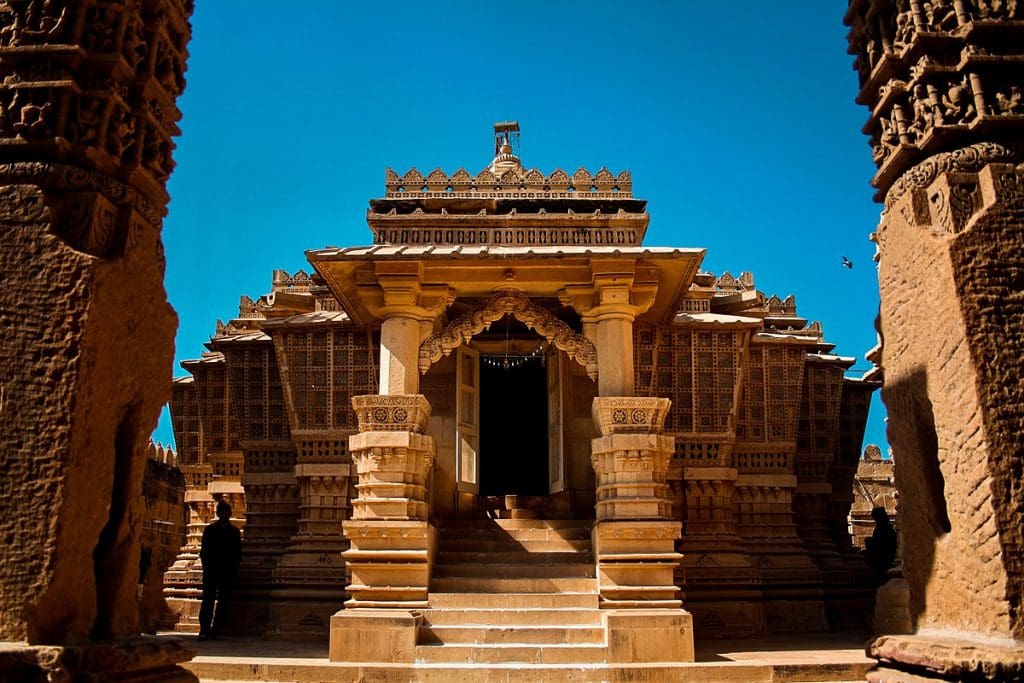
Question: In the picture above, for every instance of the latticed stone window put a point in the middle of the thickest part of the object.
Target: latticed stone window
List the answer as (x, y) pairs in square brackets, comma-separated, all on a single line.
[(324, 369), (185, 419), (697, 369), (256, 391), (771, 393), (218, 425)]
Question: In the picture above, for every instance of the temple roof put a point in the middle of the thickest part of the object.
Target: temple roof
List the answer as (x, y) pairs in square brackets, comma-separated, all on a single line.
[(430, 251)]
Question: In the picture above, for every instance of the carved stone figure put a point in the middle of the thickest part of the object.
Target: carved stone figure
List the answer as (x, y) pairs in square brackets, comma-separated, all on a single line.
[(1010, 103), (958, 104), (949, 243)]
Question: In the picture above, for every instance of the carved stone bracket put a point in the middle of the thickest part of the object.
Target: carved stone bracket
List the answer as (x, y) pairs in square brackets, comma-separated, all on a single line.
[(516, 303)]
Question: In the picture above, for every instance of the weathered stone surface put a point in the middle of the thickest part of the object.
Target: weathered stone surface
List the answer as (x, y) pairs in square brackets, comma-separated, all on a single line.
[(87, 113), (950, 657), (102, 661), (944, 93)]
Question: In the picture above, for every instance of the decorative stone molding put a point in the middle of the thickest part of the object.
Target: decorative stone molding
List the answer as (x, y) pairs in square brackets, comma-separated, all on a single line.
[(970, 159), (377, 413), (515, 182), (516, 303), (632, 415)]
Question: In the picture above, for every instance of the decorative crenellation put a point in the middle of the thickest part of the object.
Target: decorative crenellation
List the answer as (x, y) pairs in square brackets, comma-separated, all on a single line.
[(515, 303), (514, 183), (165, 455), (727, 283)]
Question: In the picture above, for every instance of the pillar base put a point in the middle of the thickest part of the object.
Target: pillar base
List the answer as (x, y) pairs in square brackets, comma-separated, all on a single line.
[(649, 635), (955, 656), (389, 562), (141, 660), (636, 564), (374, 635)]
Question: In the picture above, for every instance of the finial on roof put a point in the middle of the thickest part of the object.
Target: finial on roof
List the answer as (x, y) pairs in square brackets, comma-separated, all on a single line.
[(505, 133)]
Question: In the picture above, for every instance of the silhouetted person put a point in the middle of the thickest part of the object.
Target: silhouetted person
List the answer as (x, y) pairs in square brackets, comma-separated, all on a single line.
[(880, 547), (220, 553)]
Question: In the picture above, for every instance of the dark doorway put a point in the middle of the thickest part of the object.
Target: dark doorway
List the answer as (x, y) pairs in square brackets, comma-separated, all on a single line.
[(513, 428)]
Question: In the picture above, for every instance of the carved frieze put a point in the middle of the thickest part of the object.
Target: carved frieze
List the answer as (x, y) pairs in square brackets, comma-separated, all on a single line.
[(94, 84), (516, 303)]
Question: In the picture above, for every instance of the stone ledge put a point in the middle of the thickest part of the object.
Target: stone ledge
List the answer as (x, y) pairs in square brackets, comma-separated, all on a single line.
[(140, 658), (952, 657)]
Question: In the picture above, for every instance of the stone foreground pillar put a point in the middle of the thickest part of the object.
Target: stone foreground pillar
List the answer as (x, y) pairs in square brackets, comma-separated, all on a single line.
[(87, 114), (634, 536), (392, 541), (946, 137)]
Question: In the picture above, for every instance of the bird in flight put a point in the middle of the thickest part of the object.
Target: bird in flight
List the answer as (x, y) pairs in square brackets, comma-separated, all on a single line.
[(847, 263)]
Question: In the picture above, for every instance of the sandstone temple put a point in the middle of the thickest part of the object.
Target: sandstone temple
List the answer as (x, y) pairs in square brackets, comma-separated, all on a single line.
[(507, 401), (507, 440)]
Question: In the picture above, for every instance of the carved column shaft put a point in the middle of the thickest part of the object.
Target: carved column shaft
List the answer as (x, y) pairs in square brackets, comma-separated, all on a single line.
[(634, 537), (399, 355), (87, 114)]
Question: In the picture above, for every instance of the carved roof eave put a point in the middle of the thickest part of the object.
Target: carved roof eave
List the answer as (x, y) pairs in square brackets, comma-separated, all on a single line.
[(255, 336), (341, 280), (716, 320), (676, 268), (310, 319)]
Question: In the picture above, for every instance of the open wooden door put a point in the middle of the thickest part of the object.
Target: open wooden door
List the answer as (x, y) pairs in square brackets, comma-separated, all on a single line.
[(556, 453), (467, 408)]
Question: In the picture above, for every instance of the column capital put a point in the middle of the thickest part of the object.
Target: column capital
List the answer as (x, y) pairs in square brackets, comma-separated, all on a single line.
[(619, 290), (398, 291)]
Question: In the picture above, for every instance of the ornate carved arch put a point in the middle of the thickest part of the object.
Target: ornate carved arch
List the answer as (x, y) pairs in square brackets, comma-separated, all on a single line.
[(506, 301)]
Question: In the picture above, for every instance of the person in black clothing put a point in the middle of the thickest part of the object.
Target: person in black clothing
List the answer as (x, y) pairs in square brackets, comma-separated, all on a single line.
[(220, 553), (880, 547)]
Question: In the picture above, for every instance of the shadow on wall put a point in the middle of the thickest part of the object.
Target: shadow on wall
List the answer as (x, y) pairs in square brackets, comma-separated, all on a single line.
[(922, 515)]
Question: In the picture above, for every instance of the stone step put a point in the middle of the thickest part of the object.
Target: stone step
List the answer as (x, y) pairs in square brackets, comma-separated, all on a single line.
[(511, 601), (514, 557), (518, 524), (474, 584), (512, 635), (505, 570), (458, 544), (493, 653), (514, 616), (526, 534)]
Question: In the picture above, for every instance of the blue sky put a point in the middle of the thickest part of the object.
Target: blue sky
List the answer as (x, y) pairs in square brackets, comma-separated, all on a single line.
[(736, 119)]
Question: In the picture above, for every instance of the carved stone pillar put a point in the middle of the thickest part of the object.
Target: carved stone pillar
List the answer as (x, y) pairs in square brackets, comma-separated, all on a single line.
[(87, 113), (634, 536), (950, 259), (392, 540), (310, 578)]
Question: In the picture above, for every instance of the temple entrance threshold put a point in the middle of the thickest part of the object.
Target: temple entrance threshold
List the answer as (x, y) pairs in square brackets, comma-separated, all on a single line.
[(513, 426), (813, 657)]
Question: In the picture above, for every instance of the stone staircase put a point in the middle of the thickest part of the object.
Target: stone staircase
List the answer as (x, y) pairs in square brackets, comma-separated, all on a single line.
[(513, 590)]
